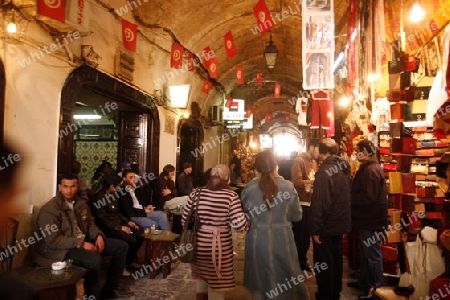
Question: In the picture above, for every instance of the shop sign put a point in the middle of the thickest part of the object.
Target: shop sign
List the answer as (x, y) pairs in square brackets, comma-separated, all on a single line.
[(236, 110)]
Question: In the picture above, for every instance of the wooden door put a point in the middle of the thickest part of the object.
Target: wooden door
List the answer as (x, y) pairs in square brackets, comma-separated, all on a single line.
[(133, 140), (191, 139)]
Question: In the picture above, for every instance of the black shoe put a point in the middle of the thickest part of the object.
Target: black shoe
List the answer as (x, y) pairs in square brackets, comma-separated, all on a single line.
[(306, 268), (354, 284)]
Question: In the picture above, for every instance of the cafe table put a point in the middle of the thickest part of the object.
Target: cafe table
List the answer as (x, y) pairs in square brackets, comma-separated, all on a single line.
[(159, 252), (49, 284)]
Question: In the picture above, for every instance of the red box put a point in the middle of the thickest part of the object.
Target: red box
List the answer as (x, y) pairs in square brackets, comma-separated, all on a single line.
[(409, 183), (425, 192), (439, 200), (434, 215)]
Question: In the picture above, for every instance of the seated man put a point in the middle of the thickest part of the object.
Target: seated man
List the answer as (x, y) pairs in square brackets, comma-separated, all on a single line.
[(131, 207), (184, 180), (113, 223), (79, 239), (165, 191)]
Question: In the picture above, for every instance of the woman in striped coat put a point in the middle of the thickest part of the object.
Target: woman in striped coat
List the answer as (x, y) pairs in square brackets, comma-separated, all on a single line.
[(219, 210)]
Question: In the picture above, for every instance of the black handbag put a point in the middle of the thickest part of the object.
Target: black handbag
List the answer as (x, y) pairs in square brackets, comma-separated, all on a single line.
[(188, 240)]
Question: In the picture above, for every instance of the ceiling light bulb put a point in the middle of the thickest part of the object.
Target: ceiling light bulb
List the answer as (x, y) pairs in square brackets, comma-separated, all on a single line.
[(416, 13), (11, 28)]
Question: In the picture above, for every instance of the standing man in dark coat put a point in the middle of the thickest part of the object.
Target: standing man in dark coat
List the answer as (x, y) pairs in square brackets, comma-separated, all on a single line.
[(369, 216), (329, 218), (185, 181)]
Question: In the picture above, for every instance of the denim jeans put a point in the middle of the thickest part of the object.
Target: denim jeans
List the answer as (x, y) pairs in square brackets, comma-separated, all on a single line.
[(157, 218), (371, 260), (93, 262)]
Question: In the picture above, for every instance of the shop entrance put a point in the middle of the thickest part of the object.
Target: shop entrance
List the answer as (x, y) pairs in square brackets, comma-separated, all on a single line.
[(103, 119)]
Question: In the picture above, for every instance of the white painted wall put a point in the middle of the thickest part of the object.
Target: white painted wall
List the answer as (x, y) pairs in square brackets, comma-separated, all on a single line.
[(33, 92)]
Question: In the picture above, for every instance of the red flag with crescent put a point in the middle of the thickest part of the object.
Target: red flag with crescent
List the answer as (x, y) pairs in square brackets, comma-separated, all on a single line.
[(207, 55), (206, 86), (268, 117), (129, 35), (230, 46), (213, 67), (55, 9), (277, 91), (176, 56), (262, 14), (240, 75), (190, 62), (259, 78)]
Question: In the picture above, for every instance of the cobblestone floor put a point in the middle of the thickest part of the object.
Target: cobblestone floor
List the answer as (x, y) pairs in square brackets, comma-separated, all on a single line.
[(180, 286)]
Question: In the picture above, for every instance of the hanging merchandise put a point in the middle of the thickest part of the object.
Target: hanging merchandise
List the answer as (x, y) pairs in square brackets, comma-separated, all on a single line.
[(381, 114), (320, 109), (301, 107), (318, 41)]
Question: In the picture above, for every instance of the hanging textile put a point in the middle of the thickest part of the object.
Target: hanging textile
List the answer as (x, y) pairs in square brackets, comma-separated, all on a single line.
[(318, 44)]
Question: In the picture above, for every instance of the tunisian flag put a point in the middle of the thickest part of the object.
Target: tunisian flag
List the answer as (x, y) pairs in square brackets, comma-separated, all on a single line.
[(259, 78), (206, 86), (230, 46), (190, 64), (240, 75), (176, 56), (262, 14), (268, 118), (55, 9), (207, 54), (213, 67), (129, 35), (277, 91)]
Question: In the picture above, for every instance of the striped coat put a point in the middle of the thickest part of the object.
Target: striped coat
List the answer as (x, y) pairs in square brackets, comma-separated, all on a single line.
[(219, 211)]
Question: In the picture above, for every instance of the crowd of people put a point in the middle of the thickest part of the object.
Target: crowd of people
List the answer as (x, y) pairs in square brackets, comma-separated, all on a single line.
[(319, 202)]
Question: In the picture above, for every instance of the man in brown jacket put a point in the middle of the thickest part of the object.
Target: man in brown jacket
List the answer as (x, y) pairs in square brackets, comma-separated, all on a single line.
[(79, 239), (302, 176)]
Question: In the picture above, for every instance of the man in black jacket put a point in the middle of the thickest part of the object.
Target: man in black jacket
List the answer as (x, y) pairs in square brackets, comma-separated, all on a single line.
[(113, 223), (185, 181), (369, 216), (329, 219)]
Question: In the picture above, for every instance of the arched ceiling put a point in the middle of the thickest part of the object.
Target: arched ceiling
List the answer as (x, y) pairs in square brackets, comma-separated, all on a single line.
[(201, 23)]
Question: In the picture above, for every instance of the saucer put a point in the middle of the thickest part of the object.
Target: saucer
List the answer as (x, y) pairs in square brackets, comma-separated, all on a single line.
[(156, 231)]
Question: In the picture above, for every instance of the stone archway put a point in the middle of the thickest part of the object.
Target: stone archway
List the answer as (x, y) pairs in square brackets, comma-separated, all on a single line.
[(89, 78)]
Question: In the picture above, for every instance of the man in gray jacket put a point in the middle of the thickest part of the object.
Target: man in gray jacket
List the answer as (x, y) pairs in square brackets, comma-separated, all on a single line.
[(79, 239)]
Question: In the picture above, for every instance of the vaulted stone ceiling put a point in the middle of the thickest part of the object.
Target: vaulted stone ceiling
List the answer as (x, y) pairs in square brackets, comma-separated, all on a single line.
[(201, 23)]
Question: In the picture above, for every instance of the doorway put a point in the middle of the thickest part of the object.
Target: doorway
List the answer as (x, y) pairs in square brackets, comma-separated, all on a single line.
[(114, 122), (190, 139)]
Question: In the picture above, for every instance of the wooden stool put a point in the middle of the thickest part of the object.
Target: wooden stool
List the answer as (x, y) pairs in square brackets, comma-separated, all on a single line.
[(159, 250)]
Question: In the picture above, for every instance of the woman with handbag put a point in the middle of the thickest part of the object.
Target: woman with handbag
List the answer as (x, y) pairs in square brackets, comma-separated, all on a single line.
[(219, 210), (271, 259)]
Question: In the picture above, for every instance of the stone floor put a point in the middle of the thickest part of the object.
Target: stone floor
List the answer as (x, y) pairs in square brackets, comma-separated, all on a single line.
[(180, 286)]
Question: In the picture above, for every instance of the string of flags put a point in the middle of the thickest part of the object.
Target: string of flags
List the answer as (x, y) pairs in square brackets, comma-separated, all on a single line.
[(129, 40)]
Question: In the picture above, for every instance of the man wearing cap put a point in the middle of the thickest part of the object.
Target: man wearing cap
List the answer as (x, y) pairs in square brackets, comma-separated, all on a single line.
[(184, 181), (369, 216)]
